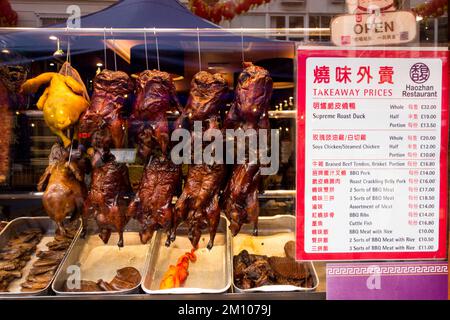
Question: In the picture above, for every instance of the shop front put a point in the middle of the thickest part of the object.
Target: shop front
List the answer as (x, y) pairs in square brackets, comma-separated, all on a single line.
[(150, 154)]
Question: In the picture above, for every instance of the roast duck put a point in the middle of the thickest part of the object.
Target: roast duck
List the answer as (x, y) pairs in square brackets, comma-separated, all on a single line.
[(108, 197), (63, 101), (103, 124), (63, 186), (198, 204), (248, 111), (155, 95), (152, 206)]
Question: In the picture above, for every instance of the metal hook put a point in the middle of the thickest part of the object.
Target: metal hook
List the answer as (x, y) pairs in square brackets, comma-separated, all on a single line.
[(199, 51), (114, 46), (104, 48), (68, 50), (242, 45), (146, 52), (157, 48)]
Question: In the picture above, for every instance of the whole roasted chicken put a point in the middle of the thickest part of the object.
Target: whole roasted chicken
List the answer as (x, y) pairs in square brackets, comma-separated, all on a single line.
[(111, 89), (63, 101), (63, 186), (155, 96), (249, 111), (107, 199), (152, 206), (198, 204)]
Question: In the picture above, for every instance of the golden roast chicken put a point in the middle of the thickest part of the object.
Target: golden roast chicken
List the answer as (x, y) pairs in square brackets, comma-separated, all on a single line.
[(63, 186), (63, 101)]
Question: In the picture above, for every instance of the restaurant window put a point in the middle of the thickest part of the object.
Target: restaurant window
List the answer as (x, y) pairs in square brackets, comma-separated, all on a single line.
[(48, 21), (287, 22), (320, 21)]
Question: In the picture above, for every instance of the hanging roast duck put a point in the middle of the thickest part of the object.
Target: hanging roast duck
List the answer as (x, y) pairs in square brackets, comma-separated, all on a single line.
[(249, 111), (198, 204)]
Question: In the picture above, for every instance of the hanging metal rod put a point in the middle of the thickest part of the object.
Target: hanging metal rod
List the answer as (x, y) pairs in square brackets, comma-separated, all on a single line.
[(193, 31)]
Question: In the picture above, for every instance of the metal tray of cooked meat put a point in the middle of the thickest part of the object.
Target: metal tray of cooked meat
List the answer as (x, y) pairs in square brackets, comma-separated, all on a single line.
[(210, 273), (48, 227), (90, 259), (273, 233)]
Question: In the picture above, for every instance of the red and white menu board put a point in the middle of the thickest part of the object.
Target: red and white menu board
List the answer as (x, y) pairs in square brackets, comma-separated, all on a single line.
[(372, 154)]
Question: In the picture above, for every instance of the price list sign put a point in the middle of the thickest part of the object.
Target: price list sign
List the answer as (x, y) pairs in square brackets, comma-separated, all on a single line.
[(372, 154)]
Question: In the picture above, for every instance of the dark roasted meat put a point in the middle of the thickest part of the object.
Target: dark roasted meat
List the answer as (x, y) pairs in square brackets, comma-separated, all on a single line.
[(206, 99), (11, 265), (111, 89), (54, 255), (252, 99), (152, 206), (252, 271), (240, 197), (15, 255), (85, 286), (198, 204), (63, 186), (155, 95), (107, 199), (249, 111), (126, 278), (44, 268)]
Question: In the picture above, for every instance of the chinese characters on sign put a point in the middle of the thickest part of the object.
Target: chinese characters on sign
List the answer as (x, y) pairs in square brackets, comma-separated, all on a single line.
[(372, 155), (364, 29)]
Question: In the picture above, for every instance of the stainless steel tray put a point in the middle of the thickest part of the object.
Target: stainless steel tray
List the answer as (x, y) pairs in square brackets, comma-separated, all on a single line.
[(21, 224), (273, 233), (3, 225), (211, 273), (91, 259)]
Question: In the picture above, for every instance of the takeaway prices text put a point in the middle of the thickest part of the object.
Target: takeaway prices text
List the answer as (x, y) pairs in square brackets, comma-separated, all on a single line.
[(363, 74)]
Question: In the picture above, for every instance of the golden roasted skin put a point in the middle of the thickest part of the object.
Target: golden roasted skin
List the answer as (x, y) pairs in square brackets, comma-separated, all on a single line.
[(63, 101), (65, 191)]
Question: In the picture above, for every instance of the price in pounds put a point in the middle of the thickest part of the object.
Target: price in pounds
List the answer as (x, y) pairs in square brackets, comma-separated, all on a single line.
[(426, 214), (427, 138), (428, 116), (428, 107), (426, 239), (427, 248), (426, 231)]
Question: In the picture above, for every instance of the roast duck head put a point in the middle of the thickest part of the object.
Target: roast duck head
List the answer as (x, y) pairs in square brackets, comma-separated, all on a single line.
[(105, 115), (206, 99), (252, 98), (155, 95), (63, 186)]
